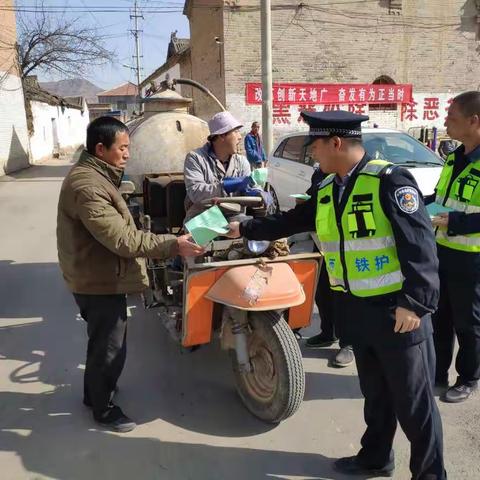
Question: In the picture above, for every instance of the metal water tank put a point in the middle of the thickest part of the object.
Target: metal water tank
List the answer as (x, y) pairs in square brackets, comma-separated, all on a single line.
[(160, 140)]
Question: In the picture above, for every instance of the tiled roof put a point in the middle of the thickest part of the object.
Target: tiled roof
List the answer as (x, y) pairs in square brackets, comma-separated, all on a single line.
[(127, 89), (177, 48), (177, 45), (78, 101), (100, 106), (34, 93), (165, 67)]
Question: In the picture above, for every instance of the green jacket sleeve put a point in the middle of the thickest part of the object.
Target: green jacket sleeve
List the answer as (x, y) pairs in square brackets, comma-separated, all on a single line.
[(113, 231)]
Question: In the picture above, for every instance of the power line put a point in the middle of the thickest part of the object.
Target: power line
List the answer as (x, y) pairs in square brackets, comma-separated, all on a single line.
[(178, 8), (85, 9), (175, 7)]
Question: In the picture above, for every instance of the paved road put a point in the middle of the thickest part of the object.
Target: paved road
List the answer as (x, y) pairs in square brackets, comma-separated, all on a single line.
[(191, 423)]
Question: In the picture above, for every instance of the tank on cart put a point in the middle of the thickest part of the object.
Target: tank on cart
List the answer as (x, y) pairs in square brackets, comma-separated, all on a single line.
[(159, 142)]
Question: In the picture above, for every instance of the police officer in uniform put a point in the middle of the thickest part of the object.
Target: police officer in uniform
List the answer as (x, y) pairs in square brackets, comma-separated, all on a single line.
[(324, 300), (458, 239), (380, 254)]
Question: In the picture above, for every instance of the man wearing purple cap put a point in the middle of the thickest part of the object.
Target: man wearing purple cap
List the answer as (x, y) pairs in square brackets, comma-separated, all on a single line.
[(216, 169)]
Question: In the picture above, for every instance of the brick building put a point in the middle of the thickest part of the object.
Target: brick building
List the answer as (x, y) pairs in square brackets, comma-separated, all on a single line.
[(14, 147), (432, 45)]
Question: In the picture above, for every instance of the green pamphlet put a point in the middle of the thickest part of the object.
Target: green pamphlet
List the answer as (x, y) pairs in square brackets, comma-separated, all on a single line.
[(260, 176), (208, 225), (435, 208), (301, 196)]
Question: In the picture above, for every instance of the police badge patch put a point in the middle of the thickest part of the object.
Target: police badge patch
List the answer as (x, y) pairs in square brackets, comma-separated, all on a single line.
[(407, 199)]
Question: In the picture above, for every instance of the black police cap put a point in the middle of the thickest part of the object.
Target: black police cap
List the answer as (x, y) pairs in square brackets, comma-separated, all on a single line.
[(334, 123)]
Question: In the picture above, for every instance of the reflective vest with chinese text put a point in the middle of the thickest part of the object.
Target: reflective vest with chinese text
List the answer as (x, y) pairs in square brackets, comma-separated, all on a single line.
[(359, 248), (461, 195)]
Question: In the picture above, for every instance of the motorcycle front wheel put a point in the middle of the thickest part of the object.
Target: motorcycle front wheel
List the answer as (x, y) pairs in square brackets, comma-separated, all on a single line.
[(274, 388)]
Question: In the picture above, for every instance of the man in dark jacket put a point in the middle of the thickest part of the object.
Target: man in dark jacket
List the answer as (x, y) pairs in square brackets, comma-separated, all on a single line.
[(458, 240), (381, 261), (254, 147), (101, 255)]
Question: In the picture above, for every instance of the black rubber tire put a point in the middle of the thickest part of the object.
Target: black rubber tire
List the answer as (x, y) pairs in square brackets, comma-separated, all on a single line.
[(275, 338)]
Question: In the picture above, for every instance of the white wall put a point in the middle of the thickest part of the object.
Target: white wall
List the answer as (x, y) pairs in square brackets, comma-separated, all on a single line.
[(13, 125), (71, 128)]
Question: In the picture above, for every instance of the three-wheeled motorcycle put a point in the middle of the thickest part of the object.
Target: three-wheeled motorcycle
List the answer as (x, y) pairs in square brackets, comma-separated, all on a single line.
[(252, 296)]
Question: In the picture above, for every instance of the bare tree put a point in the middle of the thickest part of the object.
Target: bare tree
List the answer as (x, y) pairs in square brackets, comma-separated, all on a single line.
[(56, 44)]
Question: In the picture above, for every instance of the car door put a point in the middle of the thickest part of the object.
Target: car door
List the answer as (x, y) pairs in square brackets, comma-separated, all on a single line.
[(287, 165)]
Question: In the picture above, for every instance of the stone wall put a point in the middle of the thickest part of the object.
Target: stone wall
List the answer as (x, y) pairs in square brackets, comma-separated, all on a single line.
[(207, 60), (431, 44)]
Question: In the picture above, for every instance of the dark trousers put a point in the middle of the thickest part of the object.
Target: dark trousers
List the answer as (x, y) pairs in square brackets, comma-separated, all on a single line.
[(458, 314), (106, 317), (397, 385), (324, 298)]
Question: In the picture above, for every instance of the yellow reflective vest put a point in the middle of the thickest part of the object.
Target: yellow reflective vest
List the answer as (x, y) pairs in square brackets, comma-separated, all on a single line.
[(359, 248), (461, 195)]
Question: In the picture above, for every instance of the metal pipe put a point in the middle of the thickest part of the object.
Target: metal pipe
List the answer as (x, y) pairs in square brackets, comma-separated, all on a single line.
[(239, 326), (147, 223), (193, 83), (241, 350), (266, 30)]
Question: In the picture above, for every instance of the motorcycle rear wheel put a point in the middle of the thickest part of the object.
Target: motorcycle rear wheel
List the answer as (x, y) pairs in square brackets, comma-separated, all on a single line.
[(274, 389)]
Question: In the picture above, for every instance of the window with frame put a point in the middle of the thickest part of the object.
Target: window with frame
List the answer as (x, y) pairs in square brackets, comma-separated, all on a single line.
[(279, 150), (383, 80), (293, 149), (395, 6)]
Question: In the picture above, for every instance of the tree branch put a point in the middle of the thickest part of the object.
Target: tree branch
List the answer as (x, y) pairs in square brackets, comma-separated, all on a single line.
[(58, 44)]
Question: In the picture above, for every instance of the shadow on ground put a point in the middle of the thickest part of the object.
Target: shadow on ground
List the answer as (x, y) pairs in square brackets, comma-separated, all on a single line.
[(44, 341), (54, 169), (95, 454)]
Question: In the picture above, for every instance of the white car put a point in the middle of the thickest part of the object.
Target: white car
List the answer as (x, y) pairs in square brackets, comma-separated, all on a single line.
[(291, 166)]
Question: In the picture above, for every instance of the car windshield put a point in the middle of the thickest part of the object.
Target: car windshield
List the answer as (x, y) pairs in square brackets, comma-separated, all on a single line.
[(399, 148)]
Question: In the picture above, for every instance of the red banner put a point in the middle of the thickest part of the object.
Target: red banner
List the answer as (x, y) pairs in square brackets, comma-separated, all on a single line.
[(330, 93)]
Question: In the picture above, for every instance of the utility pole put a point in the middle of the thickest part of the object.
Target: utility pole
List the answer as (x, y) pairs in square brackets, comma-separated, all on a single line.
[(135, 32), (266, 29)]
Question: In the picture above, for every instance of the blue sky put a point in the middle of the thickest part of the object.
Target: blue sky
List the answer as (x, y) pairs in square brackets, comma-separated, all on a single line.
[(116, 25)]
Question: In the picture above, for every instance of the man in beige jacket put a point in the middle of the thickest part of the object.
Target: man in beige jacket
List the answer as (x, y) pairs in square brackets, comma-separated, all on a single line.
[(101, 255)]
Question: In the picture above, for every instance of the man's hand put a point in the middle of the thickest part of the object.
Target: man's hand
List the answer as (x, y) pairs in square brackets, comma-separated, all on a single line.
[(186, 247), (234, 231), (440, 220), (405, 320)]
